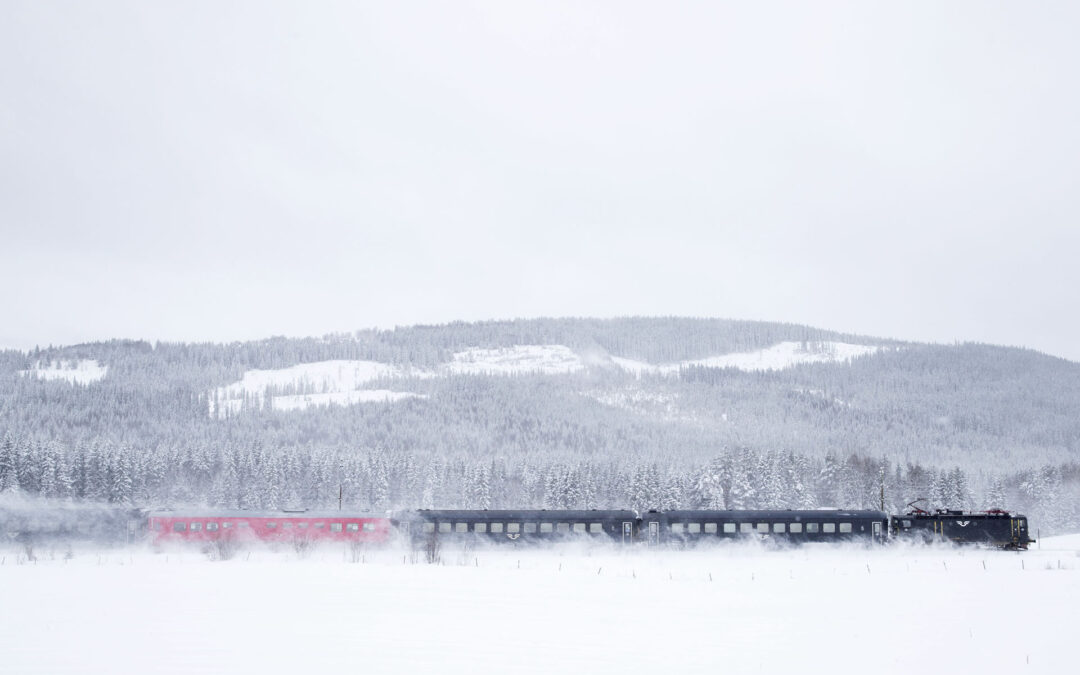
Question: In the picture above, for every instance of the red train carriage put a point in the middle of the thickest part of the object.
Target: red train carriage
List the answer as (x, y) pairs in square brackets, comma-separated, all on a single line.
[(175, 526)]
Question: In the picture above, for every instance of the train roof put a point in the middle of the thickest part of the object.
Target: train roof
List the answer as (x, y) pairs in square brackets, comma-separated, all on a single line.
[(526, 514), (279, 515), (767, 514)]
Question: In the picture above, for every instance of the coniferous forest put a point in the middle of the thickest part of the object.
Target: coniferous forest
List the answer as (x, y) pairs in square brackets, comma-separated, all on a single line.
[(964, 426)]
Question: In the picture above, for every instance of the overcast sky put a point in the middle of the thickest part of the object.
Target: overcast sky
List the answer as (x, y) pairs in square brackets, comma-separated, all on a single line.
[(221, 171)]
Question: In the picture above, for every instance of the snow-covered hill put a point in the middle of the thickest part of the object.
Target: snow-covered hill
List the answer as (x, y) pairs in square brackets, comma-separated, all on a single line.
[(343, 382)]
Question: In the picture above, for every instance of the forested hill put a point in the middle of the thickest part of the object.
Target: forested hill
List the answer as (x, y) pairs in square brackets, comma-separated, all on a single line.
[(671, 395)]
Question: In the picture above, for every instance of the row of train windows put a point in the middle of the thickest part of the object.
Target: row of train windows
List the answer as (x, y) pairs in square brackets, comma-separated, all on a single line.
[(514, 528), (760, 528), (211, 526)]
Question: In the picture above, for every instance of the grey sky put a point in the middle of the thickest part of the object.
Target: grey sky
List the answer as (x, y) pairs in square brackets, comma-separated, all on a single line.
[(206, 170)]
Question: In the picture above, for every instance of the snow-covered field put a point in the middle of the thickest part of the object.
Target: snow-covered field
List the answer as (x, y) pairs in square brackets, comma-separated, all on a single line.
[(731, 609), (83, 371)]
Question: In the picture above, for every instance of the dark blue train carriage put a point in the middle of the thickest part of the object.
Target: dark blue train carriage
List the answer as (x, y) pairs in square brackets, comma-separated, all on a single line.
[(823, 525), (518, 525)]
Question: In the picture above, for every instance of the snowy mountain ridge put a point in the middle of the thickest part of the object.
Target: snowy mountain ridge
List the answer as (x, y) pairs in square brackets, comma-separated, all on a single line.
[(344, 382)]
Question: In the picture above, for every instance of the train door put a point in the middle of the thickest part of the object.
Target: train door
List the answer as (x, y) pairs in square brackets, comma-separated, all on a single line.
[(627, 532), (877, 531), (654, 533)]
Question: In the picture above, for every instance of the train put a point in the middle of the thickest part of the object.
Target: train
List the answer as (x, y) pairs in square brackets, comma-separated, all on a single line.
[(423, 527)]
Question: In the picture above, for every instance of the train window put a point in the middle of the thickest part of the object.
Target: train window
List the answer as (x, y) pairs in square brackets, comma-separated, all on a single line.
[(335, 527), (480, 527), (352, 527), (778, 528), (513, 527), (226, 524), (368, 527), (244, 523), (179, 527), (157, 526), (287, 525), (562, 527), (746, 528), (676, 528), (530, 528), (907, 523), (429, 527), (710, 528), (196, 526), (273, 526), (579, 527), (845, 528), (496, 527), (444, 527), (545, 527), (729, 528), (762, 527), (319, 526), (211, 526), (694, 528), (795, 528), (811, 528), (461, 527), (828, 528), (596, 528), (302, 526)]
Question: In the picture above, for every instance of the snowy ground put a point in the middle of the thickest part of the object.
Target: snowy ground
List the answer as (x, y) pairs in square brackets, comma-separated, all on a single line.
[(84, 371), (598, 610)]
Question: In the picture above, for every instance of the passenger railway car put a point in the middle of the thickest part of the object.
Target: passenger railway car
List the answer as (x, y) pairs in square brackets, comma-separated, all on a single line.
[(823, 525), (519, 525), (166, 526), (990, 528)]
